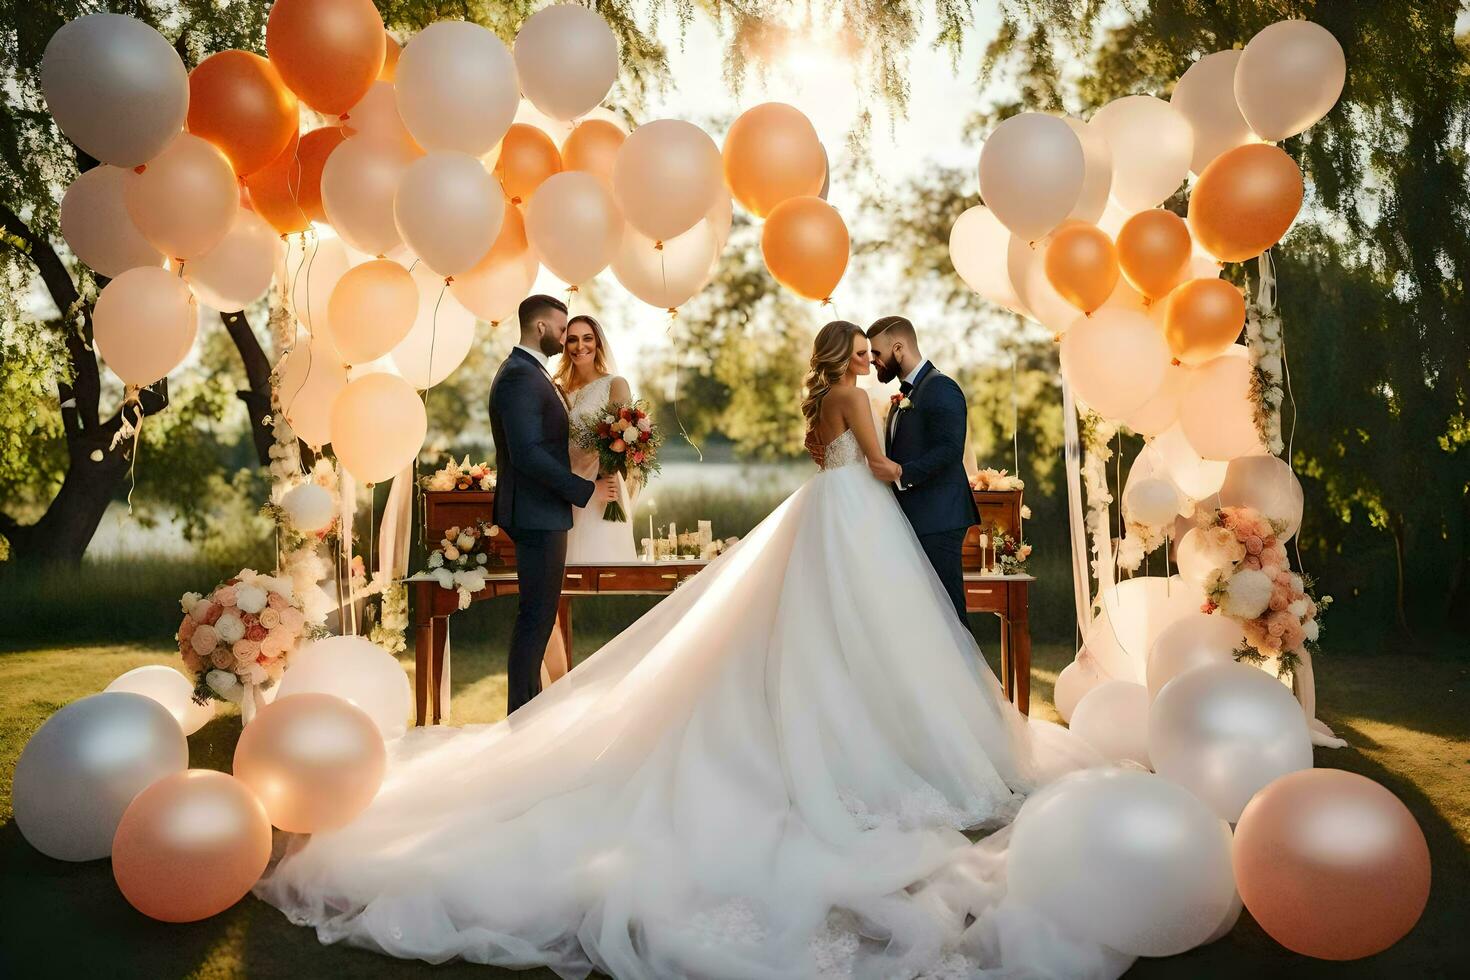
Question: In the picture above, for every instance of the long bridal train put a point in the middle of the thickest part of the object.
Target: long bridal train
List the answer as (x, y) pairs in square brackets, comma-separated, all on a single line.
[(754, 780)]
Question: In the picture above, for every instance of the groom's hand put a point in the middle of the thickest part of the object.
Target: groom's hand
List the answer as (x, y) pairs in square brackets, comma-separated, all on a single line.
[(886, 470), (607, 488)]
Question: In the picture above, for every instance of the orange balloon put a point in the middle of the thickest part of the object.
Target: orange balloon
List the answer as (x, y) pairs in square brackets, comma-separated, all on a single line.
[(327, 51), (1153, 247), (391, 50), (1082, 265), (527, 157), (1244, 201), (1202, 319), (592, 147), (805, 245), (190, 846), (238, 102), (1331, 864), (772, 154), (288, 191)]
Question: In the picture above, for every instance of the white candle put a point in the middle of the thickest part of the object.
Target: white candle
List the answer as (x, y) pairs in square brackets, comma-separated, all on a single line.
[(651, 555)]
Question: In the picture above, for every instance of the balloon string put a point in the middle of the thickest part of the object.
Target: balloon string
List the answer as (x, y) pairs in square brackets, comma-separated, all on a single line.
[(673, 318), (1015, 419), (296, 333), (137, 441)]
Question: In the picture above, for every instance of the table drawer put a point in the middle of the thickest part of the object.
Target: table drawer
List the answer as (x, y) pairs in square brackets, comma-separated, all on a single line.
[(648, 578), (985, 596)]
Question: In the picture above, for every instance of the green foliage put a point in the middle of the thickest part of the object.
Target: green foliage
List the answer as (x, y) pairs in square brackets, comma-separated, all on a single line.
[(32, 447)]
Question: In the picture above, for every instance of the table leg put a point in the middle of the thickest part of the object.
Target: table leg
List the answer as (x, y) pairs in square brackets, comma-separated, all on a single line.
[(436, 672), (1007, 667), (1020, 630), (423, 641), (564, 620)]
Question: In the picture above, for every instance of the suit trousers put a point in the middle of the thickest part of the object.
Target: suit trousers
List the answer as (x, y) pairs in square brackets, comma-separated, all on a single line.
[(541, 562), (944, 550)]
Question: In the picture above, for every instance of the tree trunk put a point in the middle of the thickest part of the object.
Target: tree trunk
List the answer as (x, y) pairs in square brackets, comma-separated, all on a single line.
[(257, 397), (1457, 612), (1396, 528), (62, 534)]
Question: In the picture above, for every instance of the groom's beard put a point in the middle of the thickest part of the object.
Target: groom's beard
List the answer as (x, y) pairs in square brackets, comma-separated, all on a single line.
[(550, 346), (885, 369)]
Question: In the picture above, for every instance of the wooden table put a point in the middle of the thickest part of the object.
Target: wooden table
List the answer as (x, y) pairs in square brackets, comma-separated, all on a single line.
[(1005, 596)]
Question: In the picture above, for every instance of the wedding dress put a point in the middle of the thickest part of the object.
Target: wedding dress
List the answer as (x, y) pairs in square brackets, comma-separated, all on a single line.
[(593, 539), (764, 777)]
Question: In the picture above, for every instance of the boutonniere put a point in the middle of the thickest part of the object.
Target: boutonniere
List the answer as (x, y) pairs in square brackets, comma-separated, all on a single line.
[(901, 402)]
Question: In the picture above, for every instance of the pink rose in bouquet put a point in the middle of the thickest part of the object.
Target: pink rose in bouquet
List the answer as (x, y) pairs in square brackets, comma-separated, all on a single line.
[(225, 595), (201, 610), (254, 631), (277, 601), (294, 620), (269, 618), (204, 640), (222, 658)]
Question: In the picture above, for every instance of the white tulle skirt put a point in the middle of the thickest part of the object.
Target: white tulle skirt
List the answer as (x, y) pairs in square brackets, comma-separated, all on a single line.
[(763, 777)]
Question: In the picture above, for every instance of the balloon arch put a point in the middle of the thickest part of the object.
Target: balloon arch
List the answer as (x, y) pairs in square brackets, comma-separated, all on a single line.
[(425, 193)]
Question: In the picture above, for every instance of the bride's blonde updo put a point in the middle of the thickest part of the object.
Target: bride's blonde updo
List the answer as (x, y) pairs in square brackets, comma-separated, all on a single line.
[(830, 353)]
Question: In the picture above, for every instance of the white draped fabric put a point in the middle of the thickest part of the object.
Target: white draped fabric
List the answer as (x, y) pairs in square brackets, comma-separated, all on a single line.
[(761, 778)]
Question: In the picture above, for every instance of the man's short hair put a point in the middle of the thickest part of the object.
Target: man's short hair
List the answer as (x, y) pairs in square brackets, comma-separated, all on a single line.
[(899, 326), (537, 306)]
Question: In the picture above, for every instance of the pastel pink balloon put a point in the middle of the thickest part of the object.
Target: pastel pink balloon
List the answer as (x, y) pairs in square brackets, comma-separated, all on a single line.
[(185, 200), (378, 426), (96, 224), (1205, 94), (144, 324), (1115, 360), (1288, 77), (372, 308), (574, 225), (1216, 411), (311, 374), (359, 182), (1152, 146), (667, 176), (237, 271), (666, 277)]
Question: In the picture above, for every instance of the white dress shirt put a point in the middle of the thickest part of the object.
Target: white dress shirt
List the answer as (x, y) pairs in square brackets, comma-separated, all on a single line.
[(541, 358)]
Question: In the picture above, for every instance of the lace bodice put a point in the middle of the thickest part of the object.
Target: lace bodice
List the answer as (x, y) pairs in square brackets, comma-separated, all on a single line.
[(591, 398), (843, 451)]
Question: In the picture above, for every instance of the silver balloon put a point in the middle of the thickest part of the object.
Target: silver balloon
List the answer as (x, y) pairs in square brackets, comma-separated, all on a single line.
[(1197, 640), (83, 767), (1225, 732), (1124, 858)]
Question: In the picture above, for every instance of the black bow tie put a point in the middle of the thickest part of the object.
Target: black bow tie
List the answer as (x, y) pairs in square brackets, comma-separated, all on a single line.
[(904, 387)]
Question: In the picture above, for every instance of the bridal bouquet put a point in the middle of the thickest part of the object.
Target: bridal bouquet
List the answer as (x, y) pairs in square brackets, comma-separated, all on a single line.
[(626, 443), (1251, 581), (236, 639)]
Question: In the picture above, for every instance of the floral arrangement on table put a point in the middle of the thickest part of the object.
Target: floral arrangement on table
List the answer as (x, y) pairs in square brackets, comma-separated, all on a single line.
[(992, 479), (236, 640), (460, 561), (687, 544), (626, 442), (462, 475), (1252, 583), (1010, 554)]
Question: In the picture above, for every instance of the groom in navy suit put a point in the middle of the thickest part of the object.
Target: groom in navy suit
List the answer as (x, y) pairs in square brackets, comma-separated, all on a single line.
[(535, 488), (925, 436)]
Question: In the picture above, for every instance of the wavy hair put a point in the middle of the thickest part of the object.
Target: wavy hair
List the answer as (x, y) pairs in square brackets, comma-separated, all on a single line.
[(563, 374), (830, 353)]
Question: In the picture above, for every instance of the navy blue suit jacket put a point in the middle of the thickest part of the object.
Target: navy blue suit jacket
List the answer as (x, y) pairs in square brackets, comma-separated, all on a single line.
[(535, 487), (928, 441)]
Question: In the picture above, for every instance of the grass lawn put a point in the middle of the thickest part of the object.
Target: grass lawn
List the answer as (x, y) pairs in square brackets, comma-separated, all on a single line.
[(1404, 713)]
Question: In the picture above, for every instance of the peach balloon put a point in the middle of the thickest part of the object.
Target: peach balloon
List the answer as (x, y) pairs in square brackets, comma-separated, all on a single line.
[(666, 277), (1216, 411), (372, 308), (1331, 864), (287, 192), (1162, 409), (238, 102), (1288, 77), (358, 185), (527, 158), (237, 271), (574, 225), (1114, 360), (448, 210), (441, 335), (95, 223), (1026, 268), (1153, 248), (1082, 265), (978, 249), (311, 374), (185, 199), (1245, 201), (667, 177), (593, 147), (314, 264), (772, 154), (391, 50), (1205, 94), (190, 846), (1202, 319), (805, 245), (378, 427), (144, 324), (327, 51), (1097, 179), (499, 281), (315, 760), (1152, 145), (376, 115)]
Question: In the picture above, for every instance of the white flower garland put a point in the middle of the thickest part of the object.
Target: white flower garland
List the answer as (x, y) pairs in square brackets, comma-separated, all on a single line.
[(1265, 349), (1097, 436)]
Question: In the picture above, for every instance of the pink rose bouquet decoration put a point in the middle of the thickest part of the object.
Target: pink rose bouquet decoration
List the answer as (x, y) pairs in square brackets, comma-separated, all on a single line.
[(238, 637)]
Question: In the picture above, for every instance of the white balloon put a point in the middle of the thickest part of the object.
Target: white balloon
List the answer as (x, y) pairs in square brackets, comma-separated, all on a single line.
[(169, 688), (666, 277), (315, 262), (359, 182), (1195, 476), (1133, 614), (1205, 95), (309, 507), (311, 374), (1162, 410), (1073, 683), (1115, 360), (1113, 718), (96, 224), (978, 246), (441, 337), (237, 271), (456, 87), (567, 60), (144, 324), (1097, 180), (1032, 170), (1288, 77), (1154, 501), (82, 768), (117, 88), (357, 670), (1125, 859), (1152, 145), (1216, 411), (1225, 732), (1195, 558), (448, 209), (1197, 640), (1268, 485)]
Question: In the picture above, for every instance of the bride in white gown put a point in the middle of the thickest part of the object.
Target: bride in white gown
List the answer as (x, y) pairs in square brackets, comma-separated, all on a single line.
[(763, 777)]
